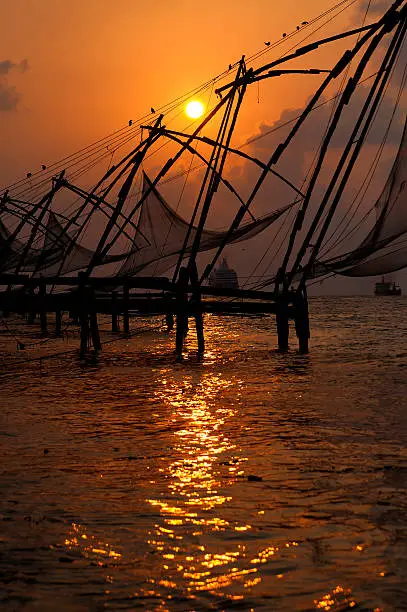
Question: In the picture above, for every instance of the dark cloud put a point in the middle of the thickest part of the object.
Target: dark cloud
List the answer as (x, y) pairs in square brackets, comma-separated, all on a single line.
[(6, 66), (375, 7), (9, 95)]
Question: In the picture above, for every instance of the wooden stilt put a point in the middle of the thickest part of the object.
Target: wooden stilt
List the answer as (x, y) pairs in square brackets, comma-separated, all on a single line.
[(283, 329), (126, 319), (58, 323), (84, 323), (83, 315), (182, 311), (196, 304), (301, 319), (73, 315), (93, 320), (169, 320), (94, 331), (43, 310), (115, 321), (200, 332), (31, 314)]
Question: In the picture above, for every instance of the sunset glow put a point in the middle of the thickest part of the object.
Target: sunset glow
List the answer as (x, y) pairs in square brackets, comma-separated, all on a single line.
[(195, 109)]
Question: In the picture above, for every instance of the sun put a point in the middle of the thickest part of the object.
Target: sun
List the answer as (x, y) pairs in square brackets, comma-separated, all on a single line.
[(195, 109)]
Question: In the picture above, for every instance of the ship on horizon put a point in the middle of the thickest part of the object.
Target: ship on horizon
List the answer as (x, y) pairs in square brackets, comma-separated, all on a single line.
[(387, 288), (224, 277)]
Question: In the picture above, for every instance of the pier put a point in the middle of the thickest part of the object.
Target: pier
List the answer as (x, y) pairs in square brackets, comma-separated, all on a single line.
[(86, 298)]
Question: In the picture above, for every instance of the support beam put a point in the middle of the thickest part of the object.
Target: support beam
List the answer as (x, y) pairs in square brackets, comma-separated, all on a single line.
[(283, 329), (43, 310), (83, 316), (58, 323), (181, 311), (126, 319), (115, 318), (301, 320)]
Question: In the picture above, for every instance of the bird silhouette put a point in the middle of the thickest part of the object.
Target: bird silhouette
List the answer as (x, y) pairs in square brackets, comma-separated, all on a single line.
[(230, 66), (267, 44), (305, 23), (152, 110), (43, 167), (131, 122), (284, 34), (29, 174), (298, 27)]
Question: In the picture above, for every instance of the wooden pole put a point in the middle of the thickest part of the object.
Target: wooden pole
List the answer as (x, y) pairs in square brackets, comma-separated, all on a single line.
[(83, 315), (301, 320), (31, 313), (182, 311), (283, 329), (200, 330), (115, 322), (93, 319), (58, 323), (126, 319), (43, 310), (197, 305)]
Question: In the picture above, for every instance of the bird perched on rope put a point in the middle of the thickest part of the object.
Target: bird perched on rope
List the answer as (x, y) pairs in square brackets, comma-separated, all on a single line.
[(152, 110), (305, 23), (131, 122), (284, 34), (298, 27), (43, 167), (29, 174), (230, 66), (267, 43)]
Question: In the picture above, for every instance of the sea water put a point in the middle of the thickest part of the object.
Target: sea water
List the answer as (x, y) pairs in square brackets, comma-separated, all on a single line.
[(248, 480)]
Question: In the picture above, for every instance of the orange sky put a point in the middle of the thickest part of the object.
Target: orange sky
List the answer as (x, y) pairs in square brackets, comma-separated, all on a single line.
[(94, 64)]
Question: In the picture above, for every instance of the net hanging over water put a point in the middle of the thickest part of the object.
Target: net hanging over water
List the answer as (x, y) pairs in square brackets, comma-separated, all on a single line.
[(167, 232), (160, 238), (384, 250)]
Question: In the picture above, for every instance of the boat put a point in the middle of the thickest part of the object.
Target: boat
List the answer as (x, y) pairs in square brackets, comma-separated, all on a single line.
[(387, 288), (224, 277)]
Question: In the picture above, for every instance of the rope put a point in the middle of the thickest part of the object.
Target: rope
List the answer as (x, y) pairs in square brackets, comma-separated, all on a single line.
[(121, 133)]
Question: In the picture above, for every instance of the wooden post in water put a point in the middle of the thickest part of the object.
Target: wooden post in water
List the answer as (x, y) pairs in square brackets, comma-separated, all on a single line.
[(169, 320), (126, 319), (200, 329), (283, 329), (83, 315), (115, 322), (31, 313), (182, 310), (301, 319), (197, 306), (58, 323), (43, 309), (93, 319)]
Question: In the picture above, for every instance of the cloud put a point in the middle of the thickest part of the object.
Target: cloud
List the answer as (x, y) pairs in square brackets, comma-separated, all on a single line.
[(9, 95), (375, 7)]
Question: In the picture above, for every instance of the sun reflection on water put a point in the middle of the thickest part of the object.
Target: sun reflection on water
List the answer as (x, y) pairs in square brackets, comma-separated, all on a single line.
[(339, 598), (197, 536), (79, 542)]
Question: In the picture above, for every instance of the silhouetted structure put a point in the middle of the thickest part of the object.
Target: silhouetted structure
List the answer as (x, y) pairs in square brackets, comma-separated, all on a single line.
[(40, 247)]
